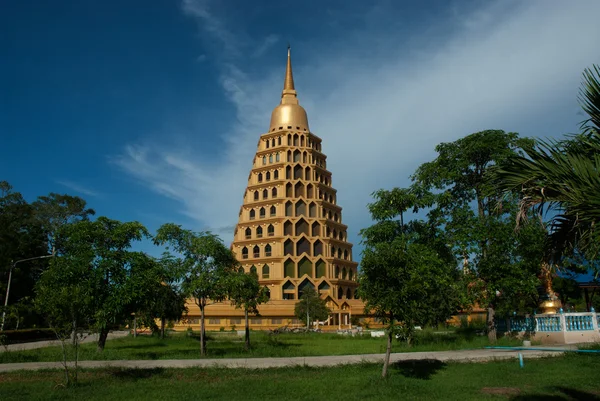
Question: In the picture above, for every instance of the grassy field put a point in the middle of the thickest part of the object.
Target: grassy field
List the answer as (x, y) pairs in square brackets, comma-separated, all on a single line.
[(229, 345), (572, 377)]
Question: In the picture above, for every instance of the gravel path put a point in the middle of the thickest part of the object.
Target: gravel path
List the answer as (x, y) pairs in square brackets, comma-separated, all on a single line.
[(479, 355)]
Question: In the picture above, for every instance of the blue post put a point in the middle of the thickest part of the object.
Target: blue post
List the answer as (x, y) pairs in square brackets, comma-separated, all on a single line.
[(521, 360)]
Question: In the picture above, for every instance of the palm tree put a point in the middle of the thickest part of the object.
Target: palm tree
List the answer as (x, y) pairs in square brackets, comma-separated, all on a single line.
[(561, 179)]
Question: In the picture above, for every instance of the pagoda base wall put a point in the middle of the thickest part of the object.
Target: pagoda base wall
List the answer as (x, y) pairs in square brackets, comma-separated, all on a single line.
[(222, 316)]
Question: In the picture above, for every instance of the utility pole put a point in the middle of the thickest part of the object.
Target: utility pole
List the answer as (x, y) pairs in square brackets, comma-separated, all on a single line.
[(12, 266)]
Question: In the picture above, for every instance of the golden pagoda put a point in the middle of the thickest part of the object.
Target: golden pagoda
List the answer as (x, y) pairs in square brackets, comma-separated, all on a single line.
[(290, 229)]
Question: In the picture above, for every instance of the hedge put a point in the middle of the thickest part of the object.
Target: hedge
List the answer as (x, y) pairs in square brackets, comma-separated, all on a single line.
[(27, 335)]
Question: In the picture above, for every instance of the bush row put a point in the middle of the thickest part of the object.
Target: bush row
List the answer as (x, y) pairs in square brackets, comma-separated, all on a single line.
[(27, 335)]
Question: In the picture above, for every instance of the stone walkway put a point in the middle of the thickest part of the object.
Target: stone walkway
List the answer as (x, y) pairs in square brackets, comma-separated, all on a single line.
[(50, 343), (479, 355)]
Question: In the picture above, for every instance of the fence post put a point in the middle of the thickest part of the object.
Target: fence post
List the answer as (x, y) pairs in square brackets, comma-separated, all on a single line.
[(563, 320)]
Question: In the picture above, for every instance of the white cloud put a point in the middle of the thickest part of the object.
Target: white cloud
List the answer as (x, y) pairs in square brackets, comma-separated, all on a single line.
[(381, 116), (78, 188), (267, 43), (200, 10)]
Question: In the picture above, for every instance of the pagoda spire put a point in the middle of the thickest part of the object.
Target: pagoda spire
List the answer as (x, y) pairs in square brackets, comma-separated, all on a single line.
[(288, 113), (288, 84)]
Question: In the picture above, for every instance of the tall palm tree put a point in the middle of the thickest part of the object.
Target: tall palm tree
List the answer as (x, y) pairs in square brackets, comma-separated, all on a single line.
[(560, 179)]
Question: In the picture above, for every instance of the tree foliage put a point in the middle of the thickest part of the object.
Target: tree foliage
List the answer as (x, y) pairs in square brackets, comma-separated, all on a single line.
[(477, 217), (561, 179), (408, 276), (28, 231), (245, 292), (66, 300), (311, 307), (205, 265), (166, 302), (55, 211), (21, 237), (97, 254)]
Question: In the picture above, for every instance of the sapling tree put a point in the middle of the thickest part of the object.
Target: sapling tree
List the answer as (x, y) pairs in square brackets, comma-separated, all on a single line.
[(206, 265), (407, 277), (311, 307), (245, 292), (65, 299)]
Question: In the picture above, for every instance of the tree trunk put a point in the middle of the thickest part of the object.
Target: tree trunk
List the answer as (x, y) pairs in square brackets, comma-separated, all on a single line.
[(388, 351), (202, 339), (307, 317), (65, 363), (162, 328), (134, 326), (76, 344), (74, 332), (491, 325), (102, 339), (247, 345)]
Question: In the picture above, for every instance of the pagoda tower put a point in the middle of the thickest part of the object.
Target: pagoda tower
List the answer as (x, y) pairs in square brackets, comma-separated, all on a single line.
[(290, 229)]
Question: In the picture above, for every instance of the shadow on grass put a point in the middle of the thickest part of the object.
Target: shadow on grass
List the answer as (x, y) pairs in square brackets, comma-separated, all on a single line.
[(578, 394), (172, 354), (570, 393), (422, 369), (138, 346), (136, 374), (18, 358)]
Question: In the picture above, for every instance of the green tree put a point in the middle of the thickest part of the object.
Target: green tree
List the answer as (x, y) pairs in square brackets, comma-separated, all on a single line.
[(398, 281), (65, 297), (167, 301), (476, 215), (55, 211), (21, 238), (116, 278), (245, 292), (311, 306), (408, 276), (206, 265), (561, 179)]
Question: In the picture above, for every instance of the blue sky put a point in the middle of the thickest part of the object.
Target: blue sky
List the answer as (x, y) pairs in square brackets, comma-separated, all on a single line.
[(151, 110)]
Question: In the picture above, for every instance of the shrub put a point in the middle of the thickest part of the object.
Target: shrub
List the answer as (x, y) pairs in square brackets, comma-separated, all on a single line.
[(27, 335)]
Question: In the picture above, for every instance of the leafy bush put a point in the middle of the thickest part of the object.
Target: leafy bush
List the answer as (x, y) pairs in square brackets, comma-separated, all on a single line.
[(27, 335)]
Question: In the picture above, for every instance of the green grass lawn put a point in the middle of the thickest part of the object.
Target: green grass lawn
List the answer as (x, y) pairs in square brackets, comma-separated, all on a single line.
[(229, 345), (572, 377)]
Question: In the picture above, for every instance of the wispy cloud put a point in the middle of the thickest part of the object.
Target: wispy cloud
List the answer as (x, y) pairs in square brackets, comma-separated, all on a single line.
[(267, 43), (211, 24), (78, 188), (513, 68)]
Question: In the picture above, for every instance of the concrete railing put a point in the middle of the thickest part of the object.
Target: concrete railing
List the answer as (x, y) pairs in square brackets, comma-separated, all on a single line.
[(564, 327)]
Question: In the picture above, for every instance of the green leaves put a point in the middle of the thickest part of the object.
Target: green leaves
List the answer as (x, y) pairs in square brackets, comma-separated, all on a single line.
[(205, 261), (56, 211), (244, 291), (96, 278), (206, 266), (589, 98), (311, 303), (562, 179)]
